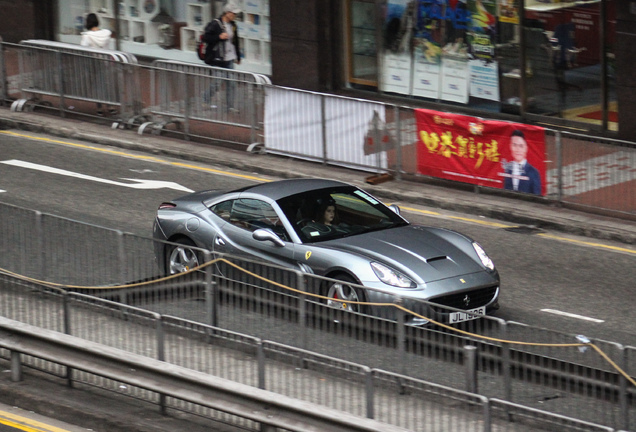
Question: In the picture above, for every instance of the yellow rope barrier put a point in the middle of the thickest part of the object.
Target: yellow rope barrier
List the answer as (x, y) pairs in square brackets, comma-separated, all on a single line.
[(318, 296)]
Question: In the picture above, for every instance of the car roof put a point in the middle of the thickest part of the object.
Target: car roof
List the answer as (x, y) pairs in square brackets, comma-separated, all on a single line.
[(283, 188)]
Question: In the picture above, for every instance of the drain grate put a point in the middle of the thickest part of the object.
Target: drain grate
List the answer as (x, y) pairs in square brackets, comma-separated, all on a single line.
[(528, 229)]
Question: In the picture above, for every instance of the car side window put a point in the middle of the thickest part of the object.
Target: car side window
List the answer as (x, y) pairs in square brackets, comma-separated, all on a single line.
[(252, 214), (223, 209)]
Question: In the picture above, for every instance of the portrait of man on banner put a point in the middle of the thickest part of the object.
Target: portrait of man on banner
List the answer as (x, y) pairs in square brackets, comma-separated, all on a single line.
[(520, 174), (489, 153)]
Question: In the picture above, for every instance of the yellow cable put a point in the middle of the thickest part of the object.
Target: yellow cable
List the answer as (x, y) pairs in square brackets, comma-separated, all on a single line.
[(285, 287)]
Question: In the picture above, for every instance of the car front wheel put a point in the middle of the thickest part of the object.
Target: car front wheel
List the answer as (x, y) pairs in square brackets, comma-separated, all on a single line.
[(342, 295)]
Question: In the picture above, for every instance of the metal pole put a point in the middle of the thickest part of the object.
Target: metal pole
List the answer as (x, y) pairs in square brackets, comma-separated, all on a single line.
[(302, 309), (401, 337), (211, 293), (559, 154), (368, 374), (16, 367), (323, 124), (470, 363), (398, 143)]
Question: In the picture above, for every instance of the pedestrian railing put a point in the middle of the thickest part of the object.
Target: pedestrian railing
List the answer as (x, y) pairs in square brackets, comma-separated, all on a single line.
[(56, 73), (54, 277), (233, 107)]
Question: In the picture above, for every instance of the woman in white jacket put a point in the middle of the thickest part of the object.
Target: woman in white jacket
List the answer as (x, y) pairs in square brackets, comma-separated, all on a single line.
[(94, 37)]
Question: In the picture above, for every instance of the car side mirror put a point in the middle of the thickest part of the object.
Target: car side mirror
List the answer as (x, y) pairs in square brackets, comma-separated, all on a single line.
[(395, 209), (263, 234)]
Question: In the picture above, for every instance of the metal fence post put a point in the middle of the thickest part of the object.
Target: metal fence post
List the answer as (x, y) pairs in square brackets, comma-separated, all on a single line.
[(559, 156), (60, 71), (123, 265), (183, 78), (470, 363), (623, 395), (368, 375), (16, 366), (398, 143), (260, 361), (401, 336), (323, 124), (211, 293), (505, 361), (302, 308), (161, 356), (39, 232)]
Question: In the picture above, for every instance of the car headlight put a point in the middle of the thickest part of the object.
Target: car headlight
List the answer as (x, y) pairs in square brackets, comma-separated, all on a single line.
[(483, 256), (391, 277)]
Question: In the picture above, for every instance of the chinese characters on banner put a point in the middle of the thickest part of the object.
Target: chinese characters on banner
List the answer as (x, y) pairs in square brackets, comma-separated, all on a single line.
[(483, 152)]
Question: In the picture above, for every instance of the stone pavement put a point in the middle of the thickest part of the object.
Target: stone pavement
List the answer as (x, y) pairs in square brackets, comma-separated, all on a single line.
[(522, 210)]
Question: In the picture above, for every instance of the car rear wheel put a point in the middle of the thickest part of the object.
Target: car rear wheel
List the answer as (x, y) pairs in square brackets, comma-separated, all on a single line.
[(342, 295), (181, 257)]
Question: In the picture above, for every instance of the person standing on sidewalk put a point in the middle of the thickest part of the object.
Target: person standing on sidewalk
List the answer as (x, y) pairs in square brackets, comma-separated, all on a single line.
[(221, 37), (94, 37)]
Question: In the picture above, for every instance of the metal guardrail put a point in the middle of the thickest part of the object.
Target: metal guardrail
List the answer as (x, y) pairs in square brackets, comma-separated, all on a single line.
[(54, 72), (297, 375), (248, 297), (182, 92), (173, 381), (582, 170)]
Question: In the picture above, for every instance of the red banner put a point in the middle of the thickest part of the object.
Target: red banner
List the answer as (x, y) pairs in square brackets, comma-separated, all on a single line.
[(483, 152)]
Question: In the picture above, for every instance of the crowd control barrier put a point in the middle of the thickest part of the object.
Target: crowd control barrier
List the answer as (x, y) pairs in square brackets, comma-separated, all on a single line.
[(182, 92), (76, 73)]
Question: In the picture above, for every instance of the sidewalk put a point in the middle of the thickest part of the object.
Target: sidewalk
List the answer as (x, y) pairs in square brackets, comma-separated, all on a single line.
[(517, 210)]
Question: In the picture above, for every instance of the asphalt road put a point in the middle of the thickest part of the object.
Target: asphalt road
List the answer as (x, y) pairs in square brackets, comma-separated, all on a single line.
[(549, 279)]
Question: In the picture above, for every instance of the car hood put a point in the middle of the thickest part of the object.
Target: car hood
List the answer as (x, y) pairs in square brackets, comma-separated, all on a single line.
[(417, 251)]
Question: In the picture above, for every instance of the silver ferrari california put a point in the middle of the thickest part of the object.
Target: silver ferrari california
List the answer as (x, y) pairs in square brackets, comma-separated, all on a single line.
[(335, 230)]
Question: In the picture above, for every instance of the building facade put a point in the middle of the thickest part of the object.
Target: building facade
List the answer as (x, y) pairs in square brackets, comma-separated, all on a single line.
[(551, 62)]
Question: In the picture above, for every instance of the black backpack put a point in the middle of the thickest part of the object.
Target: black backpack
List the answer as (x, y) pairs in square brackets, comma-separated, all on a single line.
[(202, 46)]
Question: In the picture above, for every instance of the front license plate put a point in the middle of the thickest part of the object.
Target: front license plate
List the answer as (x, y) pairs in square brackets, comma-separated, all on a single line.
[(456, 317)]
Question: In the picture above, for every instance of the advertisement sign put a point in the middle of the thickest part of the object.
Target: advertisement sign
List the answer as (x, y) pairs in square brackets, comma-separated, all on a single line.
[(398, 33), (427, 48), (455, 80), (484, 80), (483, 152)]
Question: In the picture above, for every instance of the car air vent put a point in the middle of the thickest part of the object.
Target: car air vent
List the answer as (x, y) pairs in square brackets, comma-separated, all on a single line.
[(437, 258)]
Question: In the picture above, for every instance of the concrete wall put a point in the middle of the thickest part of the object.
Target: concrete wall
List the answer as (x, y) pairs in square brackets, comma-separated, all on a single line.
[(26, 19), (303, 50)]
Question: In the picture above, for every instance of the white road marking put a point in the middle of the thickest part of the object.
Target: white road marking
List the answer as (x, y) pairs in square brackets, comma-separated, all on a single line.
[(571, 315), (139, 184), (1, 190)]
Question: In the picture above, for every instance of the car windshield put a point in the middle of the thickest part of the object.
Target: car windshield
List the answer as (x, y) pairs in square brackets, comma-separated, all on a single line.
[(328, 214)]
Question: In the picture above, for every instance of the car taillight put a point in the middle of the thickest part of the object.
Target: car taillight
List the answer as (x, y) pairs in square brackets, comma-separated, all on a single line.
[(166, 205)]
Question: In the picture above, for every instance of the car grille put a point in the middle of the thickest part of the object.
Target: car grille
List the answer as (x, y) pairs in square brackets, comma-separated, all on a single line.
[(478, 297)]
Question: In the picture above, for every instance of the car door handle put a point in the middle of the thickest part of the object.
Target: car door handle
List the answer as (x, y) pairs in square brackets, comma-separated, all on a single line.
[(219, 241)]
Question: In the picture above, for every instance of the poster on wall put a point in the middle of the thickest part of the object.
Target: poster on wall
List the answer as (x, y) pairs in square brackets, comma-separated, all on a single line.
[(484, 76), (509, 11), (489, 153), (455, 55), (427, 49), (398, 32), (454, 79), (484, 79)]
